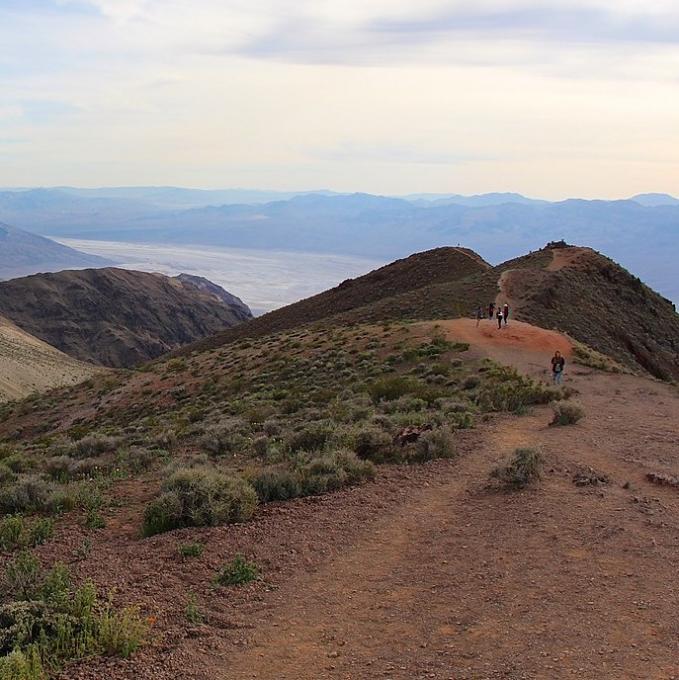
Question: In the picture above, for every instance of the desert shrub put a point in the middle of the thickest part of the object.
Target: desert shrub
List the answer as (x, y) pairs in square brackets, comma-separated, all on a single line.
[(65, 468), (192, 611), (191, 549), (586, 356), (194, 497), (471, 382), (523, 469), (310, 438), (237, 572), (505, 389), (434, 444), (392, 388), (18, 665), (94, 445), (6, 475), (276, 484), (137, 459), (566, 413), (18, 532), (271, 427), (224, 438), (373, 443), (356, 470), (31, 493), (333, 471), (44, 615), (260, 446), (404, 405)]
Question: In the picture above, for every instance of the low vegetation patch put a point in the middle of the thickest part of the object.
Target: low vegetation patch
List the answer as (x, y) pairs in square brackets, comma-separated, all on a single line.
[(45, 621), (523, 469), (18, 532), (237, 572), (567, 413), (586, 356), (198, 498)]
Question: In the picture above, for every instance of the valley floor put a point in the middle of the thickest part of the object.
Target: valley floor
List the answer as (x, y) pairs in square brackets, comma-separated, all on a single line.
[(428, 573)]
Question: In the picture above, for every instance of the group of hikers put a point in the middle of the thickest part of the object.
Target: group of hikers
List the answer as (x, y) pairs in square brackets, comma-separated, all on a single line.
[(501, 313)]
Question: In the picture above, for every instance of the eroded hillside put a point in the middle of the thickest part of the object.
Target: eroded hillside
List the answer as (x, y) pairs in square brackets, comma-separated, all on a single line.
[(115, 317)]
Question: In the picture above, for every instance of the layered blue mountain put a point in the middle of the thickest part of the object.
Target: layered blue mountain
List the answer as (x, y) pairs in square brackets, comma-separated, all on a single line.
[(641, 233)]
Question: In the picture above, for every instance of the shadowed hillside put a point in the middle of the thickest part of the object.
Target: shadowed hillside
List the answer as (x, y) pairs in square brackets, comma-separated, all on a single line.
[(112, 316), (411, 273)]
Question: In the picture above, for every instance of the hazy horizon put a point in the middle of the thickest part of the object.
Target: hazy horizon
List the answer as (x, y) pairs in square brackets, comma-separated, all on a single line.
[(552, 99)]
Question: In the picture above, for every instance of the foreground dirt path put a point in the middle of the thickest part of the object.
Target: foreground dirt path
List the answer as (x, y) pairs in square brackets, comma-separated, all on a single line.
[(457, 581)]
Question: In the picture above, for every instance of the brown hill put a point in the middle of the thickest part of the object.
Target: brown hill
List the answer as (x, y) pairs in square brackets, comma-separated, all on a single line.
[(114, 317), (412, 273), (30, 365), (575, 290)]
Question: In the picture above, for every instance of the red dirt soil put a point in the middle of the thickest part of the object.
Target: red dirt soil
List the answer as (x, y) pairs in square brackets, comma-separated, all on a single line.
[(428, 573)]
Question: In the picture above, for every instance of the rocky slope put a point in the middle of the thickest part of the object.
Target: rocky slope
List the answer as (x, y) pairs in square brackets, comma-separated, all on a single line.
[(115, 317), (23, 253), (30, 365)]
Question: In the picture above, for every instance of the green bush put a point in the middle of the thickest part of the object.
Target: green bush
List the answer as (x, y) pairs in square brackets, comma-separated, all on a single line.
[(333, 471), (567, 413), (434, 444), (196, 498), (31, 493), (373, 443), (505, 389), (392, 388), (191, 549), (276, 484), (238, 572), (17, 532), (18, 665), (44, 616), (310, 438), (524, 468), (94, 445)]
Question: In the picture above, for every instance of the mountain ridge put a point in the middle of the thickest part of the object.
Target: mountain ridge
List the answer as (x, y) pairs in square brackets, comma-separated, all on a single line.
[(115, 317)]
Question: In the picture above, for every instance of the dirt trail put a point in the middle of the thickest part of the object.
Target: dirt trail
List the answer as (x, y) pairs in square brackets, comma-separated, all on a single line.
[(456, 581), (566, 257)]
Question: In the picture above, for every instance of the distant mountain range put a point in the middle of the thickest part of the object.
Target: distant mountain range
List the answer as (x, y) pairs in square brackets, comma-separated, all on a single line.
[(23, 253), (642, 232)]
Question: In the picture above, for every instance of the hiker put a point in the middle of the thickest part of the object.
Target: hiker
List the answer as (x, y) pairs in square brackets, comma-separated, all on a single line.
[(491, 311), (479, 315), (558, 364), (499, 317), (505, 313)]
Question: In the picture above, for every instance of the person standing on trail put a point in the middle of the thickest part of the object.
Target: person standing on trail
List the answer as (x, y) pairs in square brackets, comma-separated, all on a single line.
[(558, 365), (491, 311), (499, 317), (505, 313), (479, 315)]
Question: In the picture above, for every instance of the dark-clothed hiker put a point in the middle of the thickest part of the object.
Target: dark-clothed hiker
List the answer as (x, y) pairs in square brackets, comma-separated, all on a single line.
[(558, 365), (505, 313), (499, 317), (479, 315), (491, 310)]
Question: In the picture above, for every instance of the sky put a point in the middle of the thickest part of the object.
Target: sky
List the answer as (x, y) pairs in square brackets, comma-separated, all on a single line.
[(551, 98)]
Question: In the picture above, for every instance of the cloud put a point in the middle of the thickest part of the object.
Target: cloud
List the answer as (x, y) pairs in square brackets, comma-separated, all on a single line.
[(352, 152)]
